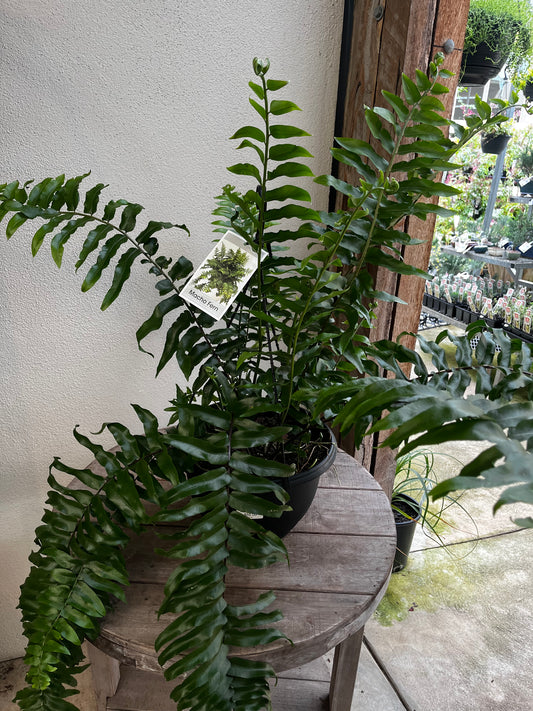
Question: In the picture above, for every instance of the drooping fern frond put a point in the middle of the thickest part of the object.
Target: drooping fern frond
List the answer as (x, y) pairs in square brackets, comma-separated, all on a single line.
[(225, 499), (76, 570), (207, 488), (431, 406)]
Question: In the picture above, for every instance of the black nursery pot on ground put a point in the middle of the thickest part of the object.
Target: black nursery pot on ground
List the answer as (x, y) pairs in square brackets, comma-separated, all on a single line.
[(407, 513), (471, 316)]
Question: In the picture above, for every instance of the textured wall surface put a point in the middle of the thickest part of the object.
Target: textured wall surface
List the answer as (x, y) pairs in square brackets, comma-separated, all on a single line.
[(145, 93)]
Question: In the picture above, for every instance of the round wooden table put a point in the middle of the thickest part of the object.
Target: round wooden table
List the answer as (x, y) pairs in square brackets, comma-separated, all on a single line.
[(340, 555)]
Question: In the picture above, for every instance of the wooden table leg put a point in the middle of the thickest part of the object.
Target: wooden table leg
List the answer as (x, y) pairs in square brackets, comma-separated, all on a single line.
[(106, 675), (344, 672)]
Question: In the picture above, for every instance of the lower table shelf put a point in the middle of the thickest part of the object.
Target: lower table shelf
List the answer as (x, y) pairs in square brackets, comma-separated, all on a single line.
[(144, 691)]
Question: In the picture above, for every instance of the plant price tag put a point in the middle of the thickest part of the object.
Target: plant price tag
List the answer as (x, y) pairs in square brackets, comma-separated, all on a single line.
[(222, 276)]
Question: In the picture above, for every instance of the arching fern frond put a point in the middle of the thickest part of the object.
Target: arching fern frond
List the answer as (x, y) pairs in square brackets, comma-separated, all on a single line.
[(55, 205), (431, 406)]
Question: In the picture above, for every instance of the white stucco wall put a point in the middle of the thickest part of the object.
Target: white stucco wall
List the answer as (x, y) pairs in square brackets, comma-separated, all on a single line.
[(145, 93)]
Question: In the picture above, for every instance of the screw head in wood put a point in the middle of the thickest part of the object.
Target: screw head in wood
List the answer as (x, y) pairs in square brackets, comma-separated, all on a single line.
[(448, 46)]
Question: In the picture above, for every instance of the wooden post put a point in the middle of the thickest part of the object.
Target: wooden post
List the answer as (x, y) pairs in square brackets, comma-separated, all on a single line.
[(391, 37)]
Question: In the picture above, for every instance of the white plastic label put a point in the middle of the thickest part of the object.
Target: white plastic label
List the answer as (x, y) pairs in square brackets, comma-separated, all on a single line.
[(221, 277)]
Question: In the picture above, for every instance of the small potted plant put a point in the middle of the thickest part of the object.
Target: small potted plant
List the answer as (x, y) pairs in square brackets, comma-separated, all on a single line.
[(495, 140), (412, 505), (525, 84), (263, 341), (498, 32)]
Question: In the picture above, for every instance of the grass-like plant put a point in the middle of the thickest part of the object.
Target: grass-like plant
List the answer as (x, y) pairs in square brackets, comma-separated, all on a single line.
[(416, 477)]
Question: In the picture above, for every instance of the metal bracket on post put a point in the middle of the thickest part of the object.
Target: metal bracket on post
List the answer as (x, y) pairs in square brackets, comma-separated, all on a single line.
[(493, 194), (495, 184)]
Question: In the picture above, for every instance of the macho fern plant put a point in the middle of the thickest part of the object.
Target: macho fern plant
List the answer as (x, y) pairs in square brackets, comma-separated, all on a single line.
[(259, 383)]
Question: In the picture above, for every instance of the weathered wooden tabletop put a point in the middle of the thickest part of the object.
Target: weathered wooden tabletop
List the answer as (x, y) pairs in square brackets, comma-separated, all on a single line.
[(340, 554)]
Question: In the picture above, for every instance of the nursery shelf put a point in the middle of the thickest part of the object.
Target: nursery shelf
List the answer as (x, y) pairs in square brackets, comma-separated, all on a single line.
[(442, 317), (516, 268), (524, 200), (454, 322)]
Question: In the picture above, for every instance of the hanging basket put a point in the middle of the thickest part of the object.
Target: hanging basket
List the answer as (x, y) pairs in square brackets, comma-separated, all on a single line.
[(494, 144), (482, 65)]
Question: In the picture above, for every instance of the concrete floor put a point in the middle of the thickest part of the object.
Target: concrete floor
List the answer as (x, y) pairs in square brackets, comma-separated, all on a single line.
[(454, 631)]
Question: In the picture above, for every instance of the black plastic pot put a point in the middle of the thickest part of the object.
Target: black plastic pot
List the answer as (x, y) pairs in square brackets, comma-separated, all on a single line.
[(482, 65), (494, 144), (439, 304), (405, 529), (528, 90), (450, 309), (301, 488), (460, 313), (429, 301)]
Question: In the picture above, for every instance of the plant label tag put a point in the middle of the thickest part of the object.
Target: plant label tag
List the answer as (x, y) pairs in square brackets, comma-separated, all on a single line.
[(524, 247), (222, 276)]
